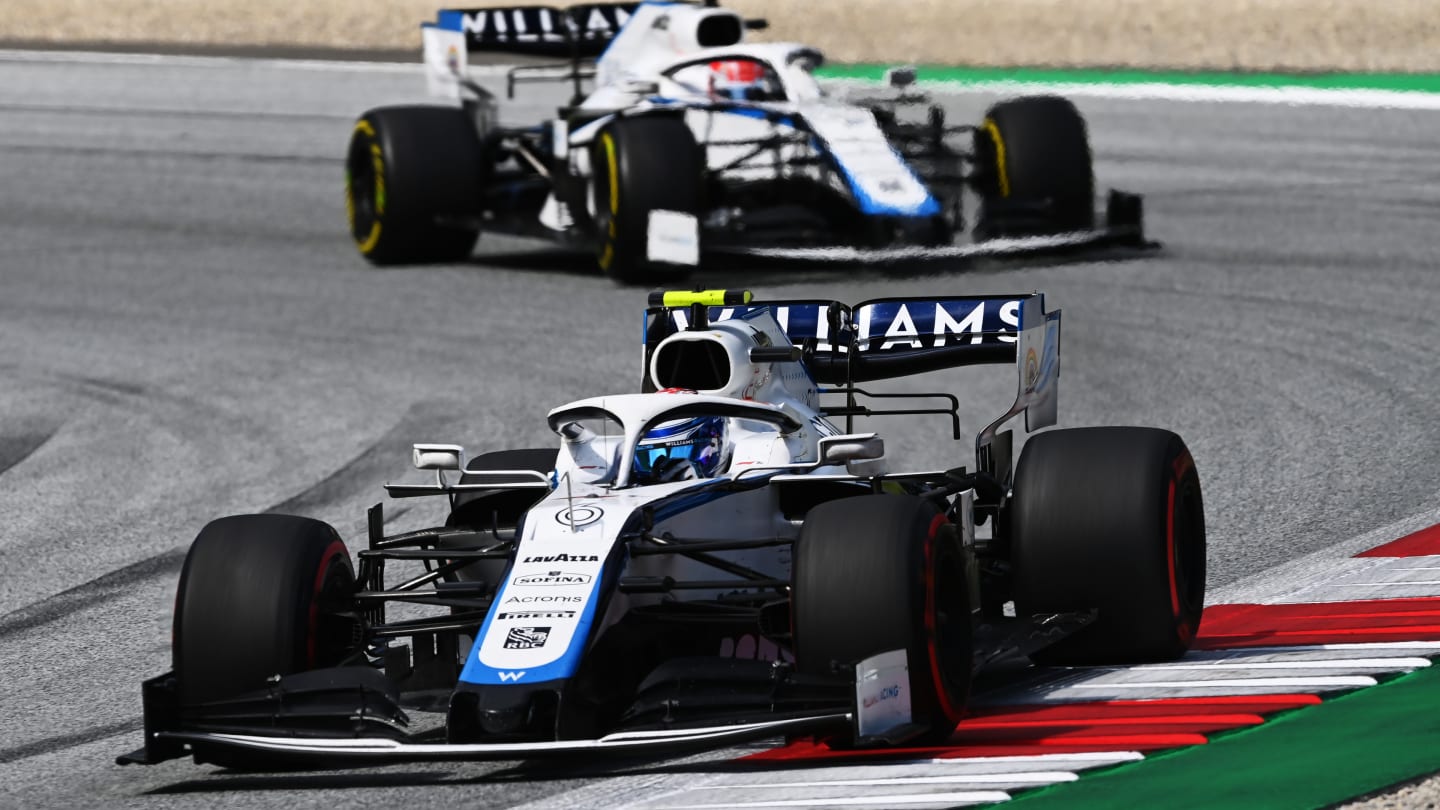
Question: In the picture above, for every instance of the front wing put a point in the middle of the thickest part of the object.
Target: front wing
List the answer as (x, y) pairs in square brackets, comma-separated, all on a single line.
[(282, 732), (377, 749), (1124, 227)]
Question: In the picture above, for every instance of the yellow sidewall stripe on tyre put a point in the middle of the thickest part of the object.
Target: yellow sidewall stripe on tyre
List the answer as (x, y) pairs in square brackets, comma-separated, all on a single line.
[(608, 255), (378, 158), (361, 127), (350, 200), (374, 237), (1001, 175), (372, 240)]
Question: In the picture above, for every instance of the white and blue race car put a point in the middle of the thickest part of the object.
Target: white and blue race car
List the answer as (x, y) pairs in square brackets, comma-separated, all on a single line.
[(683, 140), (717, 557)]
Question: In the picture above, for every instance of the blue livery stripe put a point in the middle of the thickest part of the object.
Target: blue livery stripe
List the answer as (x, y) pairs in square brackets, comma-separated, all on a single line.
[(928, 207), (562, 667), (450, 20)]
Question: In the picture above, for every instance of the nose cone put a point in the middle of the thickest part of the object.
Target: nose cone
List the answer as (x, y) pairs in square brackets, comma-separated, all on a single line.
[(479, 714)]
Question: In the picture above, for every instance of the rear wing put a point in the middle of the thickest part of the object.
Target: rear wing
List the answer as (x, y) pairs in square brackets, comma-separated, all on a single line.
[(575, 33), (580, 30), (895, 337)]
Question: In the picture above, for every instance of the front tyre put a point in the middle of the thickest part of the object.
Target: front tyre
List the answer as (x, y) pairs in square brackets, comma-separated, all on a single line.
[(641, 164), (260, 595), (412, 185), (1034, 159), (875, 573), (1110, 519)]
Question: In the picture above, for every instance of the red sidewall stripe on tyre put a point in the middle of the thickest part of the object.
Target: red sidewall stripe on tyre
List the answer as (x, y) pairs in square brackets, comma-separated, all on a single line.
[(335, 549), (1170, 553), (941, 692), (1182, 465)]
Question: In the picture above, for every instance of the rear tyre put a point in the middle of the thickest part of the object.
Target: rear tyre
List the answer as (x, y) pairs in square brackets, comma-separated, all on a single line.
[(1034, 155), (1111, 519), (412, 185), (875, 573), (639, 165), (260, 595)]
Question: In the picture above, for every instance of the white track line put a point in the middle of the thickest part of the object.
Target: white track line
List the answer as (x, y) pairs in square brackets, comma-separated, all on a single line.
[(177, 60), (1340, 646), (1336, 663), (1019, 777), (1087, 759), (1238, 656), (1235, 683), (940, 799), (1396, 583), (1296, 96), (1159, 91)]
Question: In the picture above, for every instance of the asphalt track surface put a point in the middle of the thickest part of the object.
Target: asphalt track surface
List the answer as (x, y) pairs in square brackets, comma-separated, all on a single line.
[(188, 333)]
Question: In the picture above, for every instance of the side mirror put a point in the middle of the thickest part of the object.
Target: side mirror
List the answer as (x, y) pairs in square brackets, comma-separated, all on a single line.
[(439, 457), (807, 58), (775, 354), (851, 447), (900, 77)]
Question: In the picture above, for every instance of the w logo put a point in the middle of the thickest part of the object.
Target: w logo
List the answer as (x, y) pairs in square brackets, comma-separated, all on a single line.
[(511, 676)]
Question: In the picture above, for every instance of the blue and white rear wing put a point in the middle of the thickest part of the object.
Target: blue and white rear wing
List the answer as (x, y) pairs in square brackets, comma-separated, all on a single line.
[(581, 30), (890, 337), (575, 33), (896, 337)]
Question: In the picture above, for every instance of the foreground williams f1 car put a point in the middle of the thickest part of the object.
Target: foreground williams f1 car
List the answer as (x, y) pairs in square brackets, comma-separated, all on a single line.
[(713, 559), (693, 142)]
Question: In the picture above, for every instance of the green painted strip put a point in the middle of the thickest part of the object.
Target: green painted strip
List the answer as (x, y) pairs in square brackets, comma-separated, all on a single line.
[(1417, 82), (1314, 757)]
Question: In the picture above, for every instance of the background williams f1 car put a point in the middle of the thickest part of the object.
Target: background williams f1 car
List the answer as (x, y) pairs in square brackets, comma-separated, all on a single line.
[(693, 141), (594, 597)]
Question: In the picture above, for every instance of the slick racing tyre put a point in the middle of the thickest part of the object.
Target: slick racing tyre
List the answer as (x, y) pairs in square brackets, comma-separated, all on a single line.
[(412, 185), (1110, 519), (641, 164), (875, 573), (1034, 157), (260, 595)]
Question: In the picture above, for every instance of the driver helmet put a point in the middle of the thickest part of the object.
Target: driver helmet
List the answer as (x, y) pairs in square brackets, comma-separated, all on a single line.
[(681, 449), (742, 80)]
